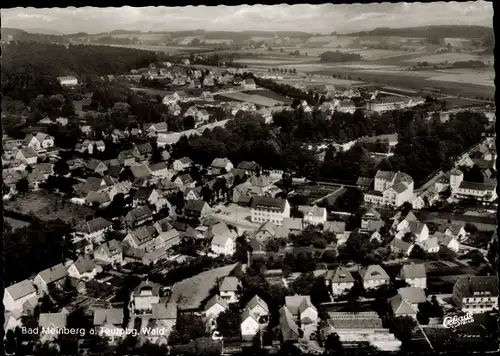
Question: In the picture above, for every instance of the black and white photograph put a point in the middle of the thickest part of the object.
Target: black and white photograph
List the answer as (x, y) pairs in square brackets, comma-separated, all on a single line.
[(249, 180)]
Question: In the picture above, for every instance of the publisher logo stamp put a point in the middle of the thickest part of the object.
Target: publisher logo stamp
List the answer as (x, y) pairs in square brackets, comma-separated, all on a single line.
[(456, 321)]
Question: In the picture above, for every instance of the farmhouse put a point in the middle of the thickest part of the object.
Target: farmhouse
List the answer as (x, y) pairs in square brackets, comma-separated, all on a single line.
[(17, 294)]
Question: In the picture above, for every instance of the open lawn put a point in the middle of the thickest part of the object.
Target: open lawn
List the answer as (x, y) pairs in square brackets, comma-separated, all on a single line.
[(269, 94), (189, 293), (46, 206)]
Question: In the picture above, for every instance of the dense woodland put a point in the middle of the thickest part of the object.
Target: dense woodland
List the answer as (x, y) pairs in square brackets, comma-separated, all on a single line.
[(39, 59)]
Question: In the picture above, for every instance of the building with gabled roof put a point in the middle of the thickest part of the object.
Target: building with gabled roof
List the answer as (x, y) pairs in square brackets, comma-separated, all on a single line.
[(390, 189), (223, 239), (374, 276), (51, 321), (92, 230), (138, 216), (249, 325), (313, 214), (340, 280), (17, 294), (110, 252), (215, 306), (400, 307), (84, 268), (141, 238), (476, 294), (269, 209), (53, 276), (257, 306), (414, 275), (229, 288), (289, 329)]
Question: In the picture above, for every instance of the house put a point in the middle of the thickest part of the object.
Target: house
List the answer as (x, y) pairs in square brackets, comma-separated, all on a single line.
[(417, 229), (145, 149), (414, 275), (476, 294), (141, 238), (430, 245), (100, 146), (185, 181), (483, 192), (337, 227), (138, 216), (340, 281), (192, 193), (108, 322), (374, 276), (17, 294), (145, 196), (371, 221), (26, 155), (67, 81), (290, 226), (12, 320), (196, 209), (250, 168), (145, 296), (399, 246), (140, 172), (390, 189), (448, 241), (160, 170), (119, 188), (110, 252), (92, 230), (215, 306), (258, 307), (269, 209), (249, 84), (313, 215), (301, 309), (84, 268), (155, 129), (51, 321), (51, 277), (400, 307), (405, 223), (228, 289), (167, 239), (289, 329), (455, 230), (182, 164), (94, 184), (413, 296), (249, 325), (221, 166), (97, 198), (223, 239), (40, 141)]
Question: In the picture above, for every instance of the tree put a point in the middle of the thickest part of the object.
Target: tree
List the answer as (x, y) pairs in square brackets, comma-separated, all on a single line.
[(189, 122), (349, 201), (476, 257), (470, 228), (22, 186), (333, 345), (402, 327), (418, 253), (187, 328), (228, 323), (409, 238)]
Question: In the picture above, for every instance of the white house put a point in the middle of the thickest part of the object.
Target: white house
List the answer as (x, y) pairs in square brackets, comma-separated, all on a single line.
[(414, 275), (258, 307), (108, 322), (53, 276), (391, 189), (374, 276), (51, 321), (223, 239), (269, 209), (430, 245), (340, 281), (40, 141), (448, 241), (182, 164), (418, 229), (110, 252), (17, 294), (313, 215), (249, 326), (215, 306), (145, 195), (67, 81), (160, 170), (26, 155), (485, 192), (145, 296), (92, 230), (84, 268), (228, 289), (476, 294)]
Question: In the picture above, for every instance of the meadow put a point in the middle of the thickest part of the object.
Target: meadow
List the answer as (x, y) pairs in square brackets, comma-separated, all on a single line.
[(450, 57)]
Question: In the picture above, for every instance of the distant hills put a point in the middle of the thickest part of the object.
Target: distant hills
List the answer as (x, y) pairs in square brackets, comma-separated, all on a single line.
[(441, 31)]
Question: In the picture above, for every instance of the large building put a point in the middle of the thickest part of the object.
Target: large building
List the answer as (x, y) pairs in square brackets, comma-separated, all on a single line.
[(390, 189), (269, 209), (476, 294)]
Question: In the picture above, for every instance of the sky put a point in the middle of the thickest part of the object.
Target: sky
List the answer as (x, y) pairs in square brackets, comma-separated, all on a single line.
[(326, 18)]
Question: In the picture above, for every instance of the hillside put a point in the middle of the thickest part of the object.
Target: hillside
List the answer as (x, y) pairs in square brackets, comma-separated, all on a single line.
[(442, 31), (14, 34)]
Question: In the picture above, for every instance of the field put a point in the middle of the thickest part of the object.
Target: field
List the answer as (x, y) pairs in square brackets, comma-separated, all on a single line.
[(460, 102), (166, 49), (46, 206), (314, 192), (269, 94), (189, 293), (450, 57), (15, 224), (485, 78)]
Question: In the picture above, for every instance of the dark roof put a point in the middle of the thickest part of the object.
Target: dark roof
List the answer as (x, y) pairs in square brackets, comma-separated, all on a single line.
[(139, 213), (93, 225), (248, 166), (84, 265), (475, 284), (154, 287), (347, 320), (143, 193), (413, 271), (289, 329), (364, 181), (196, 205), (268, 203), (477, 186), (112, 316)]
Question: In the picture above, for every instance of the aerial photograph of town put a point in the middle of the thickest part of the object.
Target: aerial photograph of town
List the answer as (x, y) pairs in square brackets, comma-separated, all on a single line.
[(250, 180)]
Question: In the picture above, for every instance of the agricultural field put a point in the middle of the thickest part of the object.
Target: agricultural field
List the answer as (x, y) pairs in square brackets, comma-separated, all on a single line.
[(166, 49), (326, 81), (46, 206), (269, 94), (450, 57), (470, 77)]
